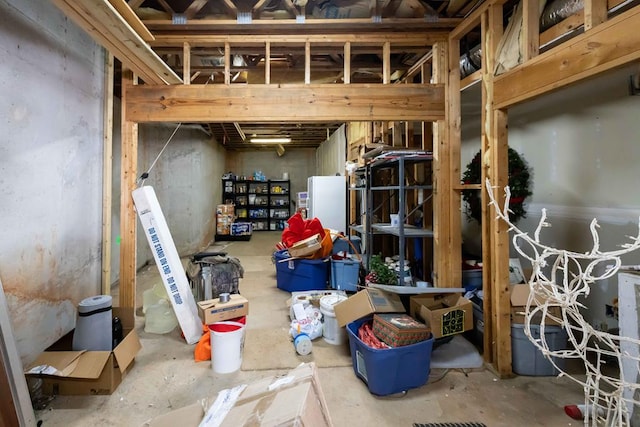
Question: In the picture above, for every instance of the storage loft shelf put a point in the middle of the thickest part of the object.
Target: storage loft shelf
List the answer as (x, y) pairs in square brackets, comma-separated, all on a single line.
[(406, 187), (409, 230)]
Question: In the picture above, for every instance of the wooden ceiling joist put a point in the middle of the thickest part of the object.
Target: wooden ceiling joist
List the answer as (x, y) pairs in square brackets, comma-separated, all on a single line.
[(132, 19), (298, 103), (103, 22)]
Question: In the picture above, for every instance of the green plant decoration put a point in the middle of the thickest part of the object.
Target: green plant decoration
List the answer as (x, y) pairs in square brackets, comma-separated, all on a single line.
[(519, 177), (380, 273)]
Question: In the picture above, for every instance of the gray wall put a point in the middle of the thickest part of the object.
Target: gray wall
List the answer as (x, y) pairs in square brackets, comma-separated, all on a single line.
[(51, 152), (51, 170), (299, 163), (581, 144), (331, 154)]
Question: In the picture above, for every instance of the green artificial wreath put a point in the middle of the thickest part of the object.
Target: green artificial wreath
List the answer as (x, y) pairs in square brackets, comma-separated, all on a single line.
[(518, 183)]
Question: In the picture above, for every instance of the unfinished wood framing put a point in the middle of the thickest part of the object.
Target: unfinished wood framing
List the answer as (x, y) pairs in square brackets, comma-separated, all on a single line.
[(107, 172), (186, 63), (347, 63), (302, 103), (530, 34)]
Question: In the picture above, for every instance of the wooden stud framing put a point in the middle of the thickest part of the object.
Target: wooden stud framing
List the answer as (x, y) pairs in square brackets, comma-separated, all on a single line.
[(595, 13), (307, 63), (129, 169), (609, 45), (227, 64), (301, 103), (386, 63), (530, 34), (132, 19), (186, 63), (107, 172), (347, 63), (267, 63)]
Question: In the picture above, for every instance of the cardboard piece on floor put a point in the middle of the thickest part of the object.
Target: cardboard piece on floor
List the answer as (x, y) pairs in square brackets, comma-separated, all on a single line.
[(66, 372), (293, 399), (366, 302), (168, 262)]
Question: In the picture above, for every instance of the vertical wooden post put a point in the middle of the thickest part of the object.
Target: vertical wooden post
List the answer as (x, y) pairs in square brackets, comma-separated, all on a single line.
[(107, 172), (386, 63), (595, 13), (186, 63), (454, 139), (227, 63), (307, 63), (494, 154), (267, 63), (129, 169), (530, 29), (347, 63)]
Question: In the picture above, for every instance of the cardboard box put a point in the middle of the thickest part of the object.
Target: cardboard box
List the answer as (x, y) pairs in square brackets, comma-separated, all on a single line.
[(226, 209), (66, 372), (366, 302), (211, 311), (446, 314), (519, 298), (241, 228), (295, 399), (396, 329), (306, 247)]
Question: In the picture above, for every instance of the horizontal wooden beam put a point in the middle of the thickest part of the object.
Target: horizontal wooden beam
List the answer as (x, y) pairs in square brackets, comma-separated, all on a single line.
[(396, 39), (270, 103), (132, 19), (607, 46), (107, 27)]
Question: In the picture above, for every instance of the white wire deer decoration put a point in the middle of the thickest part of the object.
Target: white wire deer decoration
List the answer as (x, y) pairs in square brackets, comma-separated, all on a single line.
[(559, 279)]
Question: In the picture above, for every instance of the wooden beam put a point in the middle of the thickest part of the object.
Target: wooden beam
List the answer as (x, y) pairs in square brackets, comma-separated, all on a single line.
[(561, 28), (595, 13), (132, 19), (268, 103), (195, 7), (366, 39), (102, 22), (386, 63), (134, 4), (307, 63), (107, 172), (472, 21), (347, 63), (442, 269), (470, 80), (227, 64), (267, 63), (166, 7), (609, 45), (530, 33), (186, 63), (128, 175)]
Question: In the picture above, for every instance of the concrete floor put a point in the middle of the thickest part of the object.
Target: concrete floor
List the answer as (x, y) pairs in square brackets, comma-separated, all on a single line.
[(165, 377)]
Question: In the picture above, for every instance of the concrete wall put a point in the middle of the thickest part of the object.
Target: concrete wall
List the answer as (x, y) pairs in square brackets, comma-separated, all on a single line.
[(50, 170), (51, 174), (581, 144), (299, 163)]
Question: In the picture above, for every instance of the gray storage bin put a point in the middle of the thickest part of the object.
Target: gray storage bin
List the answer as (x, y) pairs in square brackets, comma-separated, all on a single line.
[(527, 359)]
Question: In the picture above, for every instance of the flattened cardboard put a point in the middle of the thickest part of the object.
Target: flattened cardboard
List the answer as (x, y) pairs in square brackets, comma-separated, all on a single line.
[(86, 372), (445, 314), (211, 311), (366, 302), (295, 399), (519, 298)]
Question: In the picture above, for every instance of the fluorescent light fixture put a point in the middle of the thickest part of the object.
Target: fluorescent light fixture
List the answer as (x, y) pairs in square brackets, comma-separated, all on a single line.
[(271, 140)]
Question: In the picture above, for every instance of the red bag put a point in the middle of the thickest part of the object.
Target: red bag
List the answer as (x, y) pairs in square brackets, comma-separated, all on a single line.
[(300, 229)]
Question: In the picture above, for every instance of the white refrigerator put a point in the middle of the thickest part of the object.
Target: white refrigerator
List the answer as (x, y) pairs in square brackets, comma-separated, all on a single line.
[(327, 196)]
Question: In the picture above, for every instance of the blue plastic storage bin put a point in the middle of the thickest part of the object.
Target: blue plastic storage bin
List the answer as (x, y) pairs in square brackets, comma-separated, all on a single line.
[(392, 370), (345, 274), (298, 275)]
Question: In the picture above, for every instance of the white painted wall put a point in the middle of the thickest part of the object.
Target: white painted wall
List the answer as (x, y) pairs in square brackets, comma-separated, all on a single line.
[(582, 145), (331, 154)]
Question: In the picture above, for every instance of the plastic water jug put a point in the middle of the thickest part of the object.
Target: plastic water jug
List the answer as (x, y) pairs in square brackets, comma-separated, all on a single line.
[(94, 325)]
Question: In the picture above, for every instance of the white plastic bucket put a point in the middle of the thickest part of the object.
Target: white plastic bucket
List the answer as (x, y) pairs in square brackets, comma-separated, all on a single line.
[(227, 342), (331, 332)]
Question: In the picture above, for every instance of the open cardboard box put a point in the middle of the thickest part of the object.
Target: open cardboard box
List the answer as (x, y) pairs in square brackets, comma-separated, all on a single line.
[(519, 298), (365, 302), (446, 314), (213, 310), (295, 399), (67, 372)]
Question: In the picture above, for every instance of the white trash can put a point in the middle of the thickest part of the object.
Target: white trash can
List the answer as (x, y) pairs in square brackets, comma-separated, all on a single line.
[(227, 343)]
